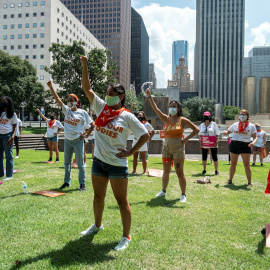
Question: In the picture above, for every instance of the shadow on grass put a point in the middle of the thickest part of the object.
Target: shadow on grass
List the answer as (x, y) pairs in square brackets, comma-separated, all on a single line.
[(233, 187), (14, 195), (203, 175), (81, 251), (261, 247)]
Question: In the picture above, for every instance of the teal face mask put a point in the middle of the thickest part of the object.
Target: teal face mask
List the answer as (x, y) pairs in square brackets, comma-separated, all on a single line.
[(172, 111), (112, 101)]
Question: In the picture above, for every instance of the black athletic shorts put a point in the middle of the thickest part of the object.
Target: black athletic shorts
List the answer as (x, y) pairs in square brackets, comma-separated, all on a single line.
[(237, 147)]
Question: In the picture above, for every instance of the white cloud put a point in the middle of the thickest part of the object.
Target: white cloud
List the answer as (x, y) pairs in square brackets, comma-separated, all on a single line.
[(165, 25), (246, 24), (261, 36)]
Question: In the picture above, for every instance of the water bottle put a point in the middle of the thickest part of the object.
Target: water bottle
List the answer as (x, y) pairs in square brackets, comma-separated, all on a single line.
[(24, 187)]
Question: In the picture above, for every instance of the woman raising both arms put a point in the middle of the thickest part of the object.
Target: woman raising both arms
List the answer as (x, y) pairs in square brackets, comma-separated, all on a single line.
[(174, 144), (113, 126)]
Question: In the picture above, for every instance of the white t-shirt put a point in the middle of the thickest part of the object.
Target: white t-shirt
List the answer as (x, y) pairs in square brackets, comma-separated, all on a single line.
[(211, 130), (245, 135), (75, 122), (135, 140), (19, 124), (260, 141), (6, 124), (115, 134), (53, 129)]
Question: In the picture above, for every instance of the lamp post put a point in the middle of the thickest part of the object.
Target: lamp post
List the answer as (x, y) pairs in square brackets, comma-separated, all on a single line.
[(23, 106)]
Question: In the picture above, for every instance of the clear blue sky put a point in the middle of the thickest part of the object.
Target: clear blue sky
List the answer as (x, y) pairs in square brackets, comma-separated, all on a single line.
[(163, 29)]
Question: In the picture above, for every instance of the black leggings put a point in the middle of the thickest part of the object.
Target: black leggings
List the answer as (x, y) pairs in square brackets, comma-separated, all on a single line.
[(213, 152)]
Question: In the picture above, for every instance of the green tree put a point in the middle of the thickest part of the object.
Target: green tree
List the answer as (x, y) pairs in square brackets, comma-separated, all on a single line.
[(19, 82), (230, 111), (66, 70), (197, 106)]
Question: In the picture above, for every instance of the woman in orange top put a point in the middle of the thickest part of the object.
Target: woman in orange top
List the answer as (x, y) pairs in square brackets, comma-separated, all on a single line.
[(174, 144)]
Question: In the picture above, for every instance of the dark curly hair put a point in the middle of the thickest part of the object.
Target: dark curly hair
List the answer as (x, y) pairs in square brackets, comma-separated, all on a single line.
[(179, 105), (10, 107)]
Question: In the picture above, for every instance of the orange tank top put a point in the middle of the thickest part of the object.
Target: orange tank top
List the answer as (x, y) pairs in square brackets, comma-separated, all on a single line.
[(173, 130)]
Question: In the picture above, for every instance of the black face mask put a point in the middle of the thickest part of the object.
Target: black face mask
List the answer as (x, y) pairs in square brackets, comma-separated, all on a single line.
[(4, 105), (52, 117), (140, 119), (206, 118)]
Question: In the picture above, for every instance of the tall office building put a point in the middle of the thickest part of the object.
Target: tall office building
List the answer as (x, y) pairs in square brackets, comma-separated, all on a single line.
[(179, 47), (257, 65), (139, 51), (152, 75), (110, 22), (220, 26), (29, 27)]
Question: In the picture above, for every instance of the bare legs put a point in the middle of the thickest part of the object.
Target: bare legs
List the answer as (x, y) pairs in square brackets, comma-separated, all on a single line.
[(53, 145), (119, 187), (135, 161)]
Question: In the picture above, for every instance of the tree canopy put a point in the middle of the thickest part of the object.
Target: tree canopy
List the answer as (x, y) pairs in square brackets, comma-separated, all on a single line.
[(19, 82), (229, 112), (196, 106), (66, 70)]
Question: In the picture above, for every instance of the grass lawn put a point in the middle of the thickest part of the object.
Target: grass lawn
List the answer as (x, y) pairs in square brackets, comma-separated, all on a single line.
[(218, 228), (34, 130)]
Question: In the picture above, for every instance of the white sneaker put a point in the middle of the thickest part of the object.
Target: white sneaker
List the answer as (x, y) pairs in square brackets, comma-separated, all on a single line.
[(161, 193), (92, 229), (8, 178), (17, 157), (183, 198), (123, 244)]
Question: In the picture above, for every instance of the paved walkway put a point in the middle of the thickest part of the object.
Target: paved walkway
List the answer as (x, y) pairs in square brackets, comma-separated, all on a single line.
[(220, 157)]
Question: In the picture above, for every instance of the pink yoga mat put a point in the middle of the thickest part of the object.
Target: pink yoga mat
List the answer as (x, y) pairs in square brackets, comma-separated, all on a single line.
[(14, 171)]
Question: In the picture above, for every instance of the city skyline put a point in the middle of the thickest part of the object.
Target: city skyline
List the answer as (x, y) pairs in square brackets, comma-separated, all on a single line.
[(171, 20)]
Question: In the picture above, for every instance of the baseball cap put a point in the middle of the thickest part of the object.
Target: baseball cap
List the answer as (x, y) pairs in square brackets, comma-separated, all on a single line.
[(207, 113)]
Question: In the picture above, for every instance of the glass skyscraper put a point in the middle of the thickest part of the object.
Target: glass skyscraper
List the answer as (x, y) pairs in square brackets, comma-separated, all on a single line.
[(179, 47), (219, 54)]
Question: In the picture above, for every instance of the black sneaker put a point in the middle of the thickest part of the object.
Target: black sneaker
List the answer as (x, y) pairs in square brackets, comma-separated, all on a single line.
[(216, 172), (82, 187), (204, 172), (57, 159), (64, 186), (50, 159)]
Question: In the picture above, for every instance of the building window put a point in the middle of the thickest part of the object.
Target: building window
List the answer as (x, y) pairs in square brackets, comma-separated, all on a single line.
[(26, 46), (42, 13), (42, 24), (42, 56), (12, 16), (42, 3), (42, 46), (4, 37), (35, 66), (42, 35), (41, 77), (27, 57), (34, 3), (34, 14), (12, 47), (19, 47), (20, 5), (58, 10), (27, 25), (4, 47), (12, 5), (58, 40), (34, 56), (12, 26), (41, 67), (58, 20), (34, 25), (34, 46), (27, 15), (19, 36), (58, 30), (5, 16), (11, 36), (26, 35), (5, 6), (4, 26), (34, 35), (20, 15), (27, 4), (20, 25)]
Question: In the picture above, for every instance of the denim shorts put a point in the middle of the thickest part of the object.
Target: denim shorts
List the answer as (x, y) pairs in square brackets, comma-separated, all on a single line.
[(53, 139), (100, 168)]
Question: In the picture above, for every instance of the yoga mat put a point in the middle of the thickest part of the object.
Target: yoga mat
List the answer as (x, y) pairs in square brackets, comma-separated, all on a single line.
[(155, 172)]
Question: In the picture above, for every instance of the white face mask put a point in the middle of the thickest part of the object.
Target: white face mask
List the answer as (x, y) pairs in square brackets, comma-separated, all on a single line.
[(173, 111), (72, 104), (243, 118)]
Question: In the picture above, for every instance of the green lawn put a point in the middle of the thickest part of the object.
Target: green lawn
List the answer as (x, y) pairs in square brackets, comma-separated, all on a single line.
[(218, 228), (34, 130)]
